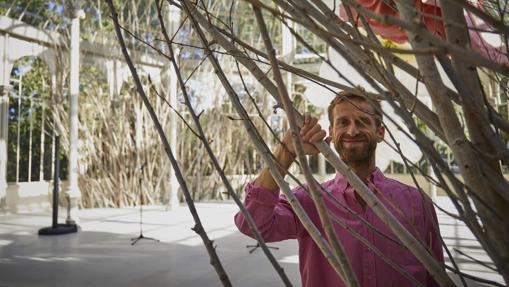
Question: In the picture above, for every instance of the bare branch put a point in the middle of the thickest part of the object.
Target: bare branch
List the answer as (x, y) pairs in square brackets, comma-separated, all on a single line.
[(215, 162), (198, 228)]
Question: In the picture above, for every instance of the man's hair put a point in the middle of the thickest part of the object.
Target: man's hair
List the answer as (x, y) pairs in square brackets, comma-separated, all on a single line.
[(351, 96)]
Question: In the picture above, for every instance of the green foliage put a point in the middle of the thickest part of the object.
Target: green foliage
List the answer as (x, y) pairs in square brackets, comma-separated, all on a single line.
[(27, 101), (36, 12), (313, 40), (497, 9), (56, 16)]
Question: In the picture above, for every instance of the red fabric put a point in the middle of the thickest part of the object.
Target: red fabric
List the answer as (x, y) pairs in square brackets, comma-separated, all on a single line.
[(431, 11), (432, 15)]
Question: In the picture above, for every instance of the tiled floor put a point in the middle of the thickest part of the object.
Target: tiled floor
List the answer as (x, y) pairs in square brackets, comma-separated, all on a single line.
[(463, 246), (101, 253)]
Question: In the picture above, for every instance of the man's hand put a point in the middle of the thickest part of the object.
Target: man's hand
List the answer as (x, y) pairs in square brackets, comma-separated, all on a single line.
[(311, 133)]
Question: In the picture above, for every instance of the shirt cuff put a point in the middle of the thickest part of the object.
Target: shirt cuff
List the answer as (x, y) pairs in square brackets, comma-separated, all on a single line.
[(262, 195)]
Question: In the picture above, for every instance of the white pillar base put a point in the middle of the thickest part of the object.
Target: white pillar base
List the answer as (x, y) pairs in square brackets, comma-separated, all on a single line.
[(72, 198), (174, 200), (4, 133)]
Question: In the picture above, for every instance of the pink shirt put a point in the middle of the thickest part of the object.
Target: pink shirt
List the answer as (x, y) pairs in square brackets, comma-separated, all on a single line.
[(276, 221)]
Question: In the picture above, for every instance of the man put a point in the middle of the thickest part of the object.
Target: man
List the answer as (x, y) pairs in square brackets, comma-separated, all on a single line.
[(355, 129)]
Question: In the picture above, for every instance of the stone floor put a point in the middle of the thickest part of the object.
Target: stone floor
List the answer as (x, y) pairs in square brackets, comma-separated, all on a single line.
[(101, 254)]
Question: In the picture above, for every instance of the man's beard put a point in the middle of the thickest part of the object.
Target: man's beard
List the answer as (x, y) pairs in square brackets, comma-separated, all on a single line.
[(357, 154)]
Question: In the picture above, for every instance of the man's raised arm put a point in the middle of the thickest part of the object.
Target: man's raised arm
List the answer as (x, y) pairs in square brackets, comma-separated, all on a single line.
[(273, 215), (311, 132)]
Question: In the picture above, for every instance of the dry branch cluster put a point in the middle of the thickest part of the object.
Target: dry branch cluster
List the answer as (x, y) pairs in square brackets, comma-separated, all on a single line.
[(122, 156), (463, 117)]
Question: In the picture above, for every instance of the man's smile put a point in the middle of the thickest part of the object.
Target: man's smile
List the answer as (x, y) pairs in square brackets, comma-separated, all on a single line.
[(353, 141)]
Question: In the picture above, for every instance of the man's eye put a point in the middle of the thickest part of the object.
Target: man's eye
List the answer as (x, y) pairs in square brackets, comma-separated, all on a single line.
[(366, 121)]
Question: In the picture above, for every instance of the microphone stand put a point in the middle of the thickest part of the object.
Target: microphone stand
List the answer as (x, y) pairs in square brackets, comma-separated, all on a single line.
[(57, 228), (254, 247), (136, 239)]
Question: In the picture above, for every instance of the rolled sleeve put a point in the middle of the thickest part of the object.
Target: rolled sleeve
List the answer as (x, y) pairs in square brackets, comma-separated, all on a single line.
[(261, 196), (272, 214)]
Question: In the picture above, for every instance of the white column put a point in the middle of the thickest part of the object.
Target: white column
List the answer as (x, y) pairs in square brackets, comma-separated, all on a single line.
[(172, 136), (432, 186), (5, 72), (4, 132), (172, 23), (73, 193), (43, 138), (288, 53)]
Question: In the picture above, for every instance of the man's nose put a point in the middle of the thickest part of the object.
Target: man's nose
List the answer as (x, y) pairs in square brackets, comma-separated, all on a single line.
[(352, 130)]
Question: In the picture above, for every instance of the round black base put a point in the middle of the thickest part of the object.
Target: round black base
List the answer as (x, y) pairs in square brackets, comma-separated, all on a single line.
[(59, 229)]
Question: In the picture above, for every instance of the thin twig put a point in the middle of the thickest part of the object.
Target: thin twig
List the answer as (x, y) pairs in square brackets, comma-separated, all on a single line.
[(345, 269), (198, 228), (215, 162)]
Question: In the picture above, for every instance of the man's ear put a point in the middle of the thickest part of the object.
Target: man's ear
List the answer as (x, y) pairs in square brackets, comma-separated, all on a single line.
[(380, 133)]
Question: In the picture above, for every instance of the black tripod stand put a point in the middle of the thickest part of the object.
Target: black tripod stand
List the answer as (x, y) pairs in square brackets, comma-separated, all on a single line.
[(136, 239), (254, 247)]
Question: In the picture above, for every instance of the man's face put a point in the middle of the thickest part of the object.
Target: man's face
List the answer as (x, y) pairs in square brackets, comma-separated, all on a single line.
[(354, 131)]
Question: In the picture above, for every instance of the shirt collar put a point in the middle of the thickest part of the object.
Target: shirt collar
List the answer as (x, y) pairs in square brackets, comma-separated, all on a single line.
[(375, 177)]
